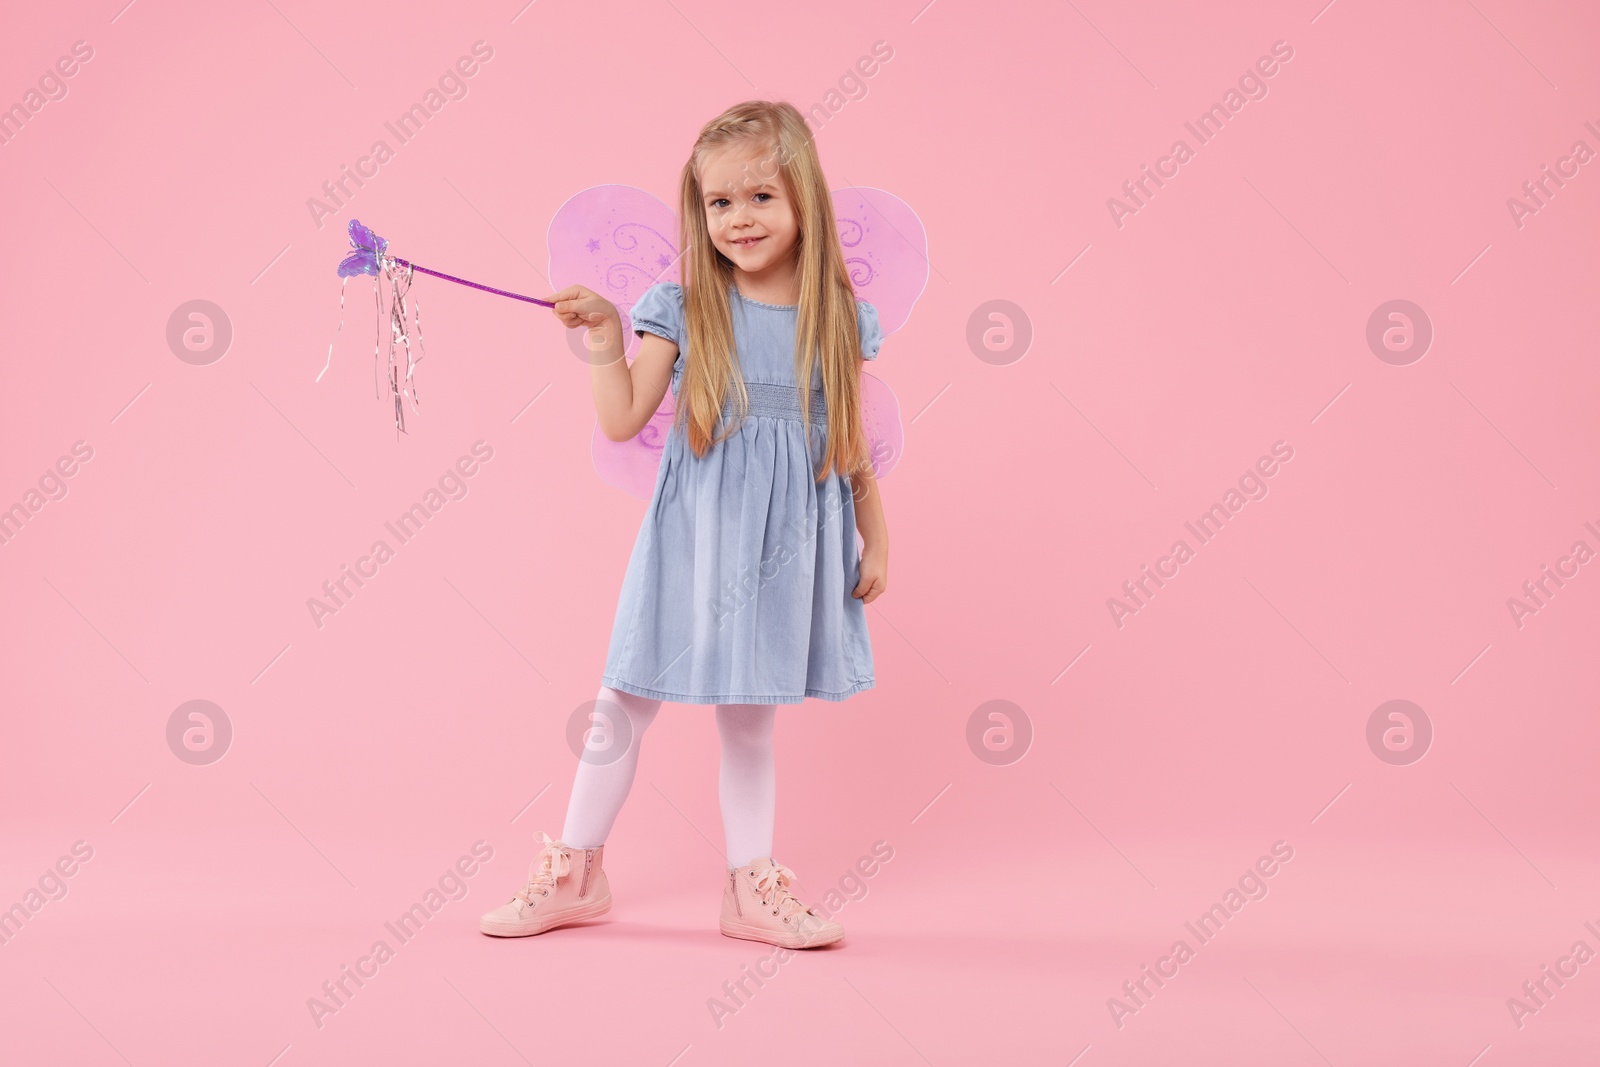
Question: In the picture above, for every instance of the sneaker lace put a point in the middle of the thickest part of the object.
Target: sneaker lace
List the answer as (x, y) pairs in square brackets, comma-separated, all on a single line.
[(772, 887), (553, 861)]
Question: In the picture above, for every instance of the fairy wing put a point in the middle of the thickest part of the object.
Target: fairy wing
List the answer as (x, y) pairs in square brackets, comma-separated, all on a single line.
[(619, 240), (886, 252)]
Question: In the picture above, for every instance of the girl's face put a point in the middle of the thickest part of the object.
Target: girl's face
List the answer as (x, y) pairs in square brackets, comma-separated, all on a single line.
[(749, 214)]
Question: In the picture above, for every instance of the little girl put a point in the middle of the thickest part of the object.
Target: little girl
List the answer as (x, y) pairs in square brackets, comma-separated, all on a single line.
[(744, 589)]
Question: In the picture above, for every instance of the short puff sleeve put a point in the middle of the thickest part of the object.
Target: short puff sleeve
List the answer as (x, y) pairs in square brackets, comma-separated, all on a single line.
[(871, 331), (660, 311)]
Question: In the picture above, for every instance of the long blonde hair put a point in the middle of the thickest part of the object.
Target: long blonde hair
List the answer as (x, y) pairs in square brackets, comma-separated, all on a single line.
[(826, 327)]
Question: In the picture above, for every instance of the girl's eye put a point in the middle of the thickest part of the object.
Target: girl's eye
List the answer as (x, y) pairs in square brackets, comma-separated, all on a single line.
[(768, 195)]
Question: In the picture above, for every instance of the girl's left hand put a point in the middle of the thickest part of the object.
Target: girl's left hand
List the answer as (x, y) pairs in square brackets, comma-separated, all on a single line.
[(874, 575)]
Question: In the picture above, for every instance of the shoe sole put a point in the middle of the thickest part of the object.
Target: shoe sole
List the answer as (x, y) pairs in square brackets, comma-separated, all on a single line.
[(751, 933), (587, 911)]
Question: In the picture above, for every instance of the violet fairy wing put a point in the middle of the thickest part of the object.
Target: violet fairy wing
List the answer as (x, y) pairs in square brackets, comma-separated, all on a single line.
[(886, 253), (880, 420), (619, 241)]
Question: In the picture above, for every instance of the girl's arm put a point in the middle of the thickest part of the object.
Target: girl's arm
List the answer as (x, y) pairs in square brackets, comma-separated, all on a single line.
[(874, 535), (625, 397)]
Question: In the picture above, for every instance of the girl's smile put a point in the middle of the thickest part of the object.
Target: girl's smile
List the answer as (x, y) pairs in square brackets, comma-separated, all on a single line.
[(751, 221)]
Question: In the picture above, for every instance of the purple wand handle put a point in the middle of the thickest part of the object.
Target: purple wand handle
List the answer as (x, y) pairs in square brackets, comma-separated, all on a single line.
[(475, 285)]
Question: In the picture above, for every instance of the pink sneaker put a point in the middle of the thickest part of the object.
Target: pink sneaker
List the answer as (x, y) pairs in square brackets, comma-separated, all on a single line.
[(757, 906), (565, 885)]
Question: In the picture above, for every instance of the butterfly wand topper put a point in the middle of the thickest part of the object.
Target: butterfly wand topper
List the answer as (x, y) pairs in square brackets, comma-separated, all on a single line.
[(619, 240), (370, 255)]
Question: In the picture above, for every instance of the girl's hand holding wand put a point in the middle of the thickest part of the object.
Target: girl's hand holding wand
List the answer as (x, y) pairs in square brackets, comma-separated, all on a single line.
[(576, 306), (626, 398)]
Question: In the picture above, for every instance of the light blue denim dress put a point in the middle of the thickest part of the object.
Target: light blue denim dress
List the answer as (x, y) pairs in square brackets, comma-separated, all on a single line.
[(738, 587)]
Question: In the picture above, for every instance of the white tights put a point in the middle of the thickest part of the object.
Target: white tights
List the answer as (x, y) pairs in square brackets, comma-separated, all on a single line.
[(746, 784)]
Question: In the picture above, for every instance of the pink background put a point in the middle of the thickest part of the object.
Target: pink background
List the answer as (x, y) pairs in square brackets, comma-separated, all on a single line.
[(1230, 713)]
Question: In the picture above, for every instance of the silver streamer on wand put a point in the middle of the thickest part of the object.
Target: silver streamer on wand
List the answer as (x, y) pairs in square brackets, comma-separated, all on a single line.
[(399, 279)]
